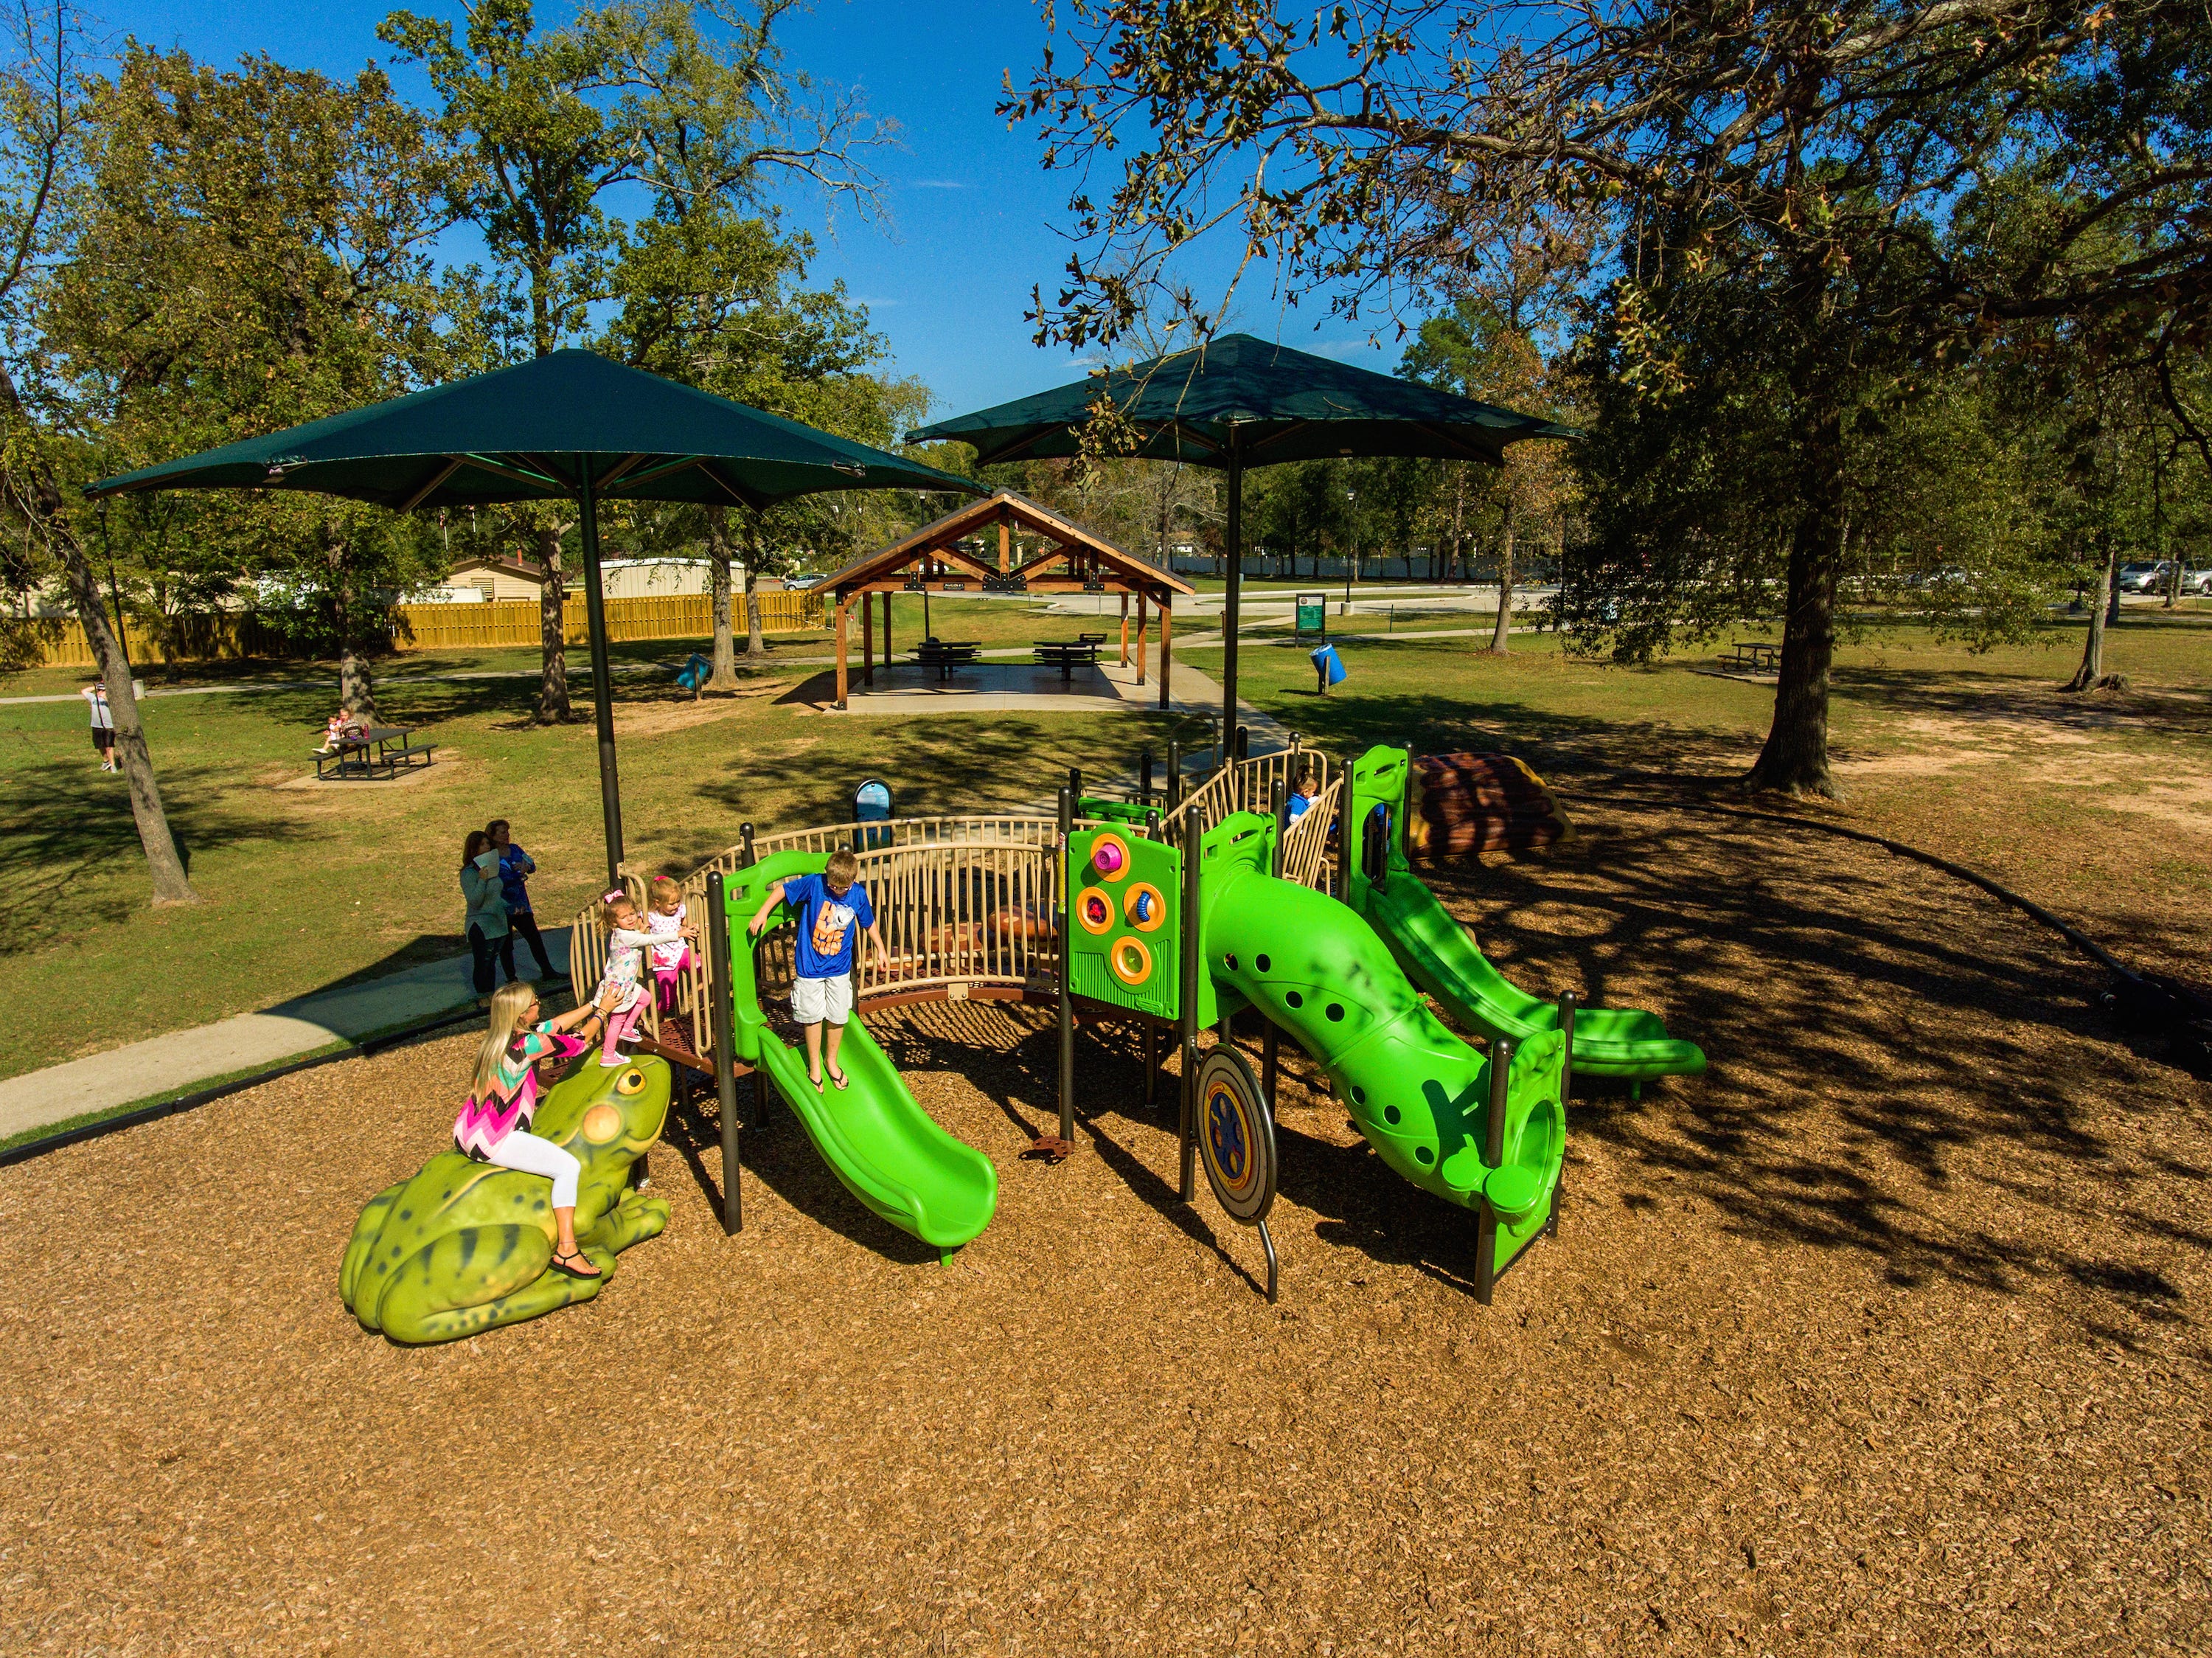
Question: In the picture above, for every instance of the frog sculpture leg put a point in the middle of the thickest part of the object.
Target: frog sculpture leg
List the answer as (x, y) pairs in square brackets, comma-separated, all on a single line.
[(466, 1246)]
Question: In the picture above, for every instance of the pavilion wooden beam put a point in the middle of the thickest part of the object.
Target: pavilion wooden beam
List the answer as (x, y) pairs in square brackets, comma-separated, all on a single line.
[(868, 638), (1125, 626), (1006, 541), (1140, 638), (843, 604)]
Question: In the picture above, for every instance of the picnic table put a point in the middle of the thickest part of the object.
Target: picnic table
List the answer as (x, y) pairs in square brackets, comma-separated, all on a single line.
[(380, 751), (1067, 653), (946, 655), (1758, 659)]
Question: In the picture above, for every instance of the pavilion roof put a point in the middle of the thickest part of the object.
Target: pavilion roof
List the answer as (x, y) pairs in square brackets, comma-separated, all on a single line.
[(1007, 507)]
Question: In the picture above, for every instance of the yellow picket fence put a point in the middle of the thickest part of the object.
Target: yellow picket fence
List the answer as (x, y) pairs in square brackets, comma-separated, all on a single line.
[(666, 616), (60, 642)]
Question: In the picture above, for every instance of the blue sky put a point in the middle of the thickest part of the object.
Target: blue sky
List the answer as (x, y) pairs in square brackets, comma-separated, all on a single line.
[(973, 214)]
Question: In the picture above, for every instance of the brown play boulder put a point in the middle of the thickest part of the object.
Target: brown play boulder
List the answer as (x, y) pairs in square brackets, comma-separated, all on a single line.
[(1468, 804)]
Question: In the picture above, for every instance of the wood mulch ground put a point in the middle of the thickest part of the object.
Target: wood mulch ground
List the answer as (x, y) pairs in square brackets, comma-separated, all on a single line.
[(1882, 1336)]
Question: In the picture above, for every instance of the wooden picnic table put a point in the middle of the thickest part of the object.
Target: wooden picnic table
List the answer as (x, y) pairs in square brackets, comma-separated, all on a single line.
[(1067, 653), (1758, 658), (946, 655), (380, 751)]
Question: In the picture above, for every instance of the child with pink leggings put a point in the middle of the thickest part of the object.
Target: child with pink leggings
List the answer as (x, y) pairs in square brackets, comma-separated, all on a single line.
[(621, 981), (673, 935)]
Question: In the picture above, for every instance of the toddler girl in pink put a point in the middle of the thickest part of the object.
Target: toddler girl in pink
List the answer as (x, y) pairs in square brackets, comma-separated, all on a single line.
[(666, 913), (622, 990)]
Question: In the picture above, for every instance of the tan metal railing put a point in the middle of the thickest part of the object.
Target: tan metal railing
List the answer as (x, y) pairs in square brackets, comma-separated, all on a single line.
[(1305, 843), (1249, 786)]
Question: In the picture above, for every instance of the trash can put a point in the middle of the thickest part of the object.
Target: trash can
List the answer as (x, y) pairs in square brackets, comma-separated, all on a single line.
[(1328, 666)]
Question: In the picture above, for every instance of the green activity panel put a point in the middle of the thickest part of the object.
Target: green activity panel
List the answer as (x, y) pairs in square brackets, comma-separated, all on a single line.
[(1124, 931)]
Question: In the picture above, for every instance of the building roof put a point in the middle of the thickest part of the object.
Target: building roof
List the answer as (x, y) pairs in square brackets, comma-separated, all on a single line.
[(1074, 546)]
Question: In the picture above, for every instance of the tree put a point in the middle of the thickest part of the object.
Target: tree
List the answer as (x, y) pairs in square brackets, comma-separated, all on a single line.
[(634, 93), (1815, 150), (44, 122)]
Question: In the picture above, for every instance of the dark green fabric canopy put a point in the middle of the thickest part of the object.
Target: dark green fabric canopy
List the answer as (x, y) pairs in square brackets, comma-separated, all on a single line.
[(1241, 402), (1252, 402), (535, 431), (570, 426)]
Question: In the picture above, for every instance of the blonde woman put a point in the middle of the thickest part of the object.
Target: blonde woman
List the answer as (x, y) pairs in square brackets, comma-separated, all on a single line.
[(493, 1126)]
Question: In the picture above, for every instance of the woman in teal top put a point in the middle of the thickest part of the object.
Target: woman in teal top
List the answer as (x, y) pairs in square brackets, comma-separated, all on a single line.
[(487, 916)]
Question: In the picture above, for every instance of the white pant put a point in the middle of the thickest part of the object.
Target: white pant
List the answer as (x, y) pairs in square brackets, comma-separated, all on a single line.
[(813, 1000), (525, 1151)]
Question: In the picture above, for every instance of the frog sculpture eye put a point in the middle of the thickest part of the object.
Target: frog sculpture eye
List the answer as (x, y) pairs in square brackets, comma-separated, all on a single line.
[(602, 1123), (631, 1082)]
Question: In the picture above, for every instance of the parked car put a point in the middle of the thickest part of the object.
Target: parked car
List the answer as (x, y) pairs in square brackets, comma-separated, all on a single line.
[(2144, 578), (2197, 580)]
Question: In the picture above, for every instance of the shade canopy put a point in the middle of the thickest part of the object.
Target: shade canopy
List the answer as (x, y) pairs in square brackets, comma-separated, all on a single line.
[(1248, 402), (538, 431)]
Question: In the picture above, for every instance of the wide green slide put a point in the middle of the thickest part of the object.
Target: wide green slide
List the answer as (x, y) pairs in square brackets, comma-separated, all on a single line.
[(874, 1134), (1419, 1093), (1440, 955)]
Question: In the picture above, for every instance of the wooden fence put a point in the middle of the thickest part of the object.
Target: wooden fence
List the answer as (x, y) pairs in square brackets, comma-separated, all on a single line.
[(666, 616), (60, 642)]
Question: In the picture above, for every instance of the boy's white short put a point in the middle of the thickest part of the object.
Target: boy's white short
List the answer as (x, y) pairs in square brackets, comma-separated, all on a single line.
[(813, 1000)]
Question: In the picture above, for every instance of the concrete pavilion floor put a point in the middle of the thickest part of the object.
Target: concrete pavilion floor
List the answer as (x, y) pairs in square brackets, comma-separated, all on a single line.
[(990, 687)]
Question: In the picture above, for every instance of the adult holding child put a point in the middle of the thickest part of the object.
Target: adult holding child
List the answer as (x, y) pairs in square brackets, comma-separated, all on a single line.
[(486, 922), (515, 869)]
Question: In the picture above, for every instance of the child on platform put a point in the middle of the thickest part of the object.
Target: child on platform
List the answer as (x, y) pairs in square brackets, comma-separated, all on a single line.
[(831, 906), (1303, 788), (621, 989), (666, 919)]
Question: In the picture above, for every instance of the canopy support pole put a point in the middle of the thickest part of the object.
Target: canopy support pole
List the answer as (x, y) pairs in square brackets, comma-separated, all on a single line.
[(1167, 646), (1233, 547), (844, 605), (868, 638), (603, 702), (1141, 635)]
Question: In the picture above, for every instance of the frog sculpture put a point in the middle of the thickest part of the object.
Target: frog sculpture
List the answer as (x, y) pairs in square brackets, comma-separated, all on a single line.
[(466, 1247)]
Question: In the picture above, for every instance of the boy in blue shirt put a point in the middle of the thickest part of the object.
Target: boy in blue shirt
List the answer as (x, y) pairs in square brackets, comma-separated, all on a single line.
[(831, 906)]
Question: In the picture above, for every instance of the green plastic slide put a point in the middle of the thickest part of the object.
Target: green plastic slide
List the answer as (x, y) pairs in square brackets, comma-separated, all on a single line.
[(1419, 1093), (1438, 955), (874, 1134)]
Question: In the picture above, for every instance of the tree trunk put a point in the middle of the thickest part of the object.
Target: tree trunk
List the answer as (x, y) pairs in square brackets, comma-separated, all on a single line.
[(163, 862), (725, 677), (552, 631), (1794, 761), (356, 685), (40, 500), (756, 643), (1457, 557), (2091, 673), (1498, 637)]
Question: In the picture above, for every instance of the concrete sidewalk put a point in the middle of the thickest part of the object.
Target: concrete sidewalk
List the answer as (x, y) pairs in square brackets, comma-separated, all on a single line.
[(249, 1041)]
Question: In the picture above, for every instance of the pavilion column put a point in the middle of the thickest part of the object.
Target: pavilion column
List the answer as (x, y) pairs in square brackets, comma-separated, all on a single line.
[(1125, 630), (1167, 645), (887, 633), (1140, 638), (868, 638), (843, 604)]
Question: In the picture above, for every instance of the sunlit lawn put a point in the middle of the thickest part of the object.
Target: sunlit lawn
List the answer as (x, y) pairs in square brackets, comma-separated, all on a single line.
[(307, 885)]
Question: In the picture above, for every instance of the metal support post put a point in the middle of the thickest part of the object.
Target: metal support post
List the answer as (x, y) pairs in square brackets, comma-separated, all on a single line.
[(1144, 778), (1066, 992), (720, 1022), (1187, 1186), (1174, 775), (603, 705)]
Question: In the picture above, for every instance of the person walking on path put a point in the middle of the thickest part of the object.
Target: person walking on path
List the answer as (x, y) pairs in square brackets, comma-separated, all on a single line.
[(489, 933), (103, 724), (515, 867)]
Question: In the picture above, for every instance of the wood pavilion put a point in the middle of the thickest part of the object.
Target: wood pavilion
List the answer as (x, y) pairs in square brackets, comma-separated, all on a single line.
[(1036, 551)]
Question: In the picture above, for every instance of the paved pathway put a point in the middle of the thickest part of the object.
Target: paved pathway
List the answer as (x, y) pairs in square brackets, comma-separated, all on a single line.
[(171, 1065)]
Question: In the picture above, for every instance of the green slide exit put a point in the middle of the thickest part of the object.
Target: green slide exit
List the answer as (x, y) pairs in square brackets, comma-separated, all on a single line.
[(1441, 956), (876, 1139)]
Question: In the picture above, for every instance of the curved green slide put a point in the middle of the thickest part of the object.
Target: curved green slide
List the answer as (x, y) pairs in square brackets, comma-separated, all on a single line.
[(1419, 1093), (874, 1134), (1441, 956)]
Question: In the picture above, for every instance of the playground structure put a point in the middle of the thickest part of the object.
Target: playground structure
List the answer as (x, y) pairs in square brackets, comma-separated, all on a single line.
[(1164, 915)]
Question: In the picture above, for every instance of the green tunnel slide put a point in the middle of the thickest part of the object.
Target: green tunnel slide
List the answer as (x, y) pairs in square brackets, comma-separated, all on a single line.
[(1439, 955)]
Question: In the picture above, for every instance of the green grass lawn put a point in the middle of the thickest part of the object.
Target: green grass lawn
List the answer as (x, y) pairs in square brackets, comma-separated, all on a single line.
[(309, 885)]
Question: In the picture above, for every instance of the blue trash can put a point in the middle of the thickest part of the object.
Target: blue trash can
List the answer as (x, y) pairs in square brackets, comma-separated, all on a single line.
[(1328, 666)]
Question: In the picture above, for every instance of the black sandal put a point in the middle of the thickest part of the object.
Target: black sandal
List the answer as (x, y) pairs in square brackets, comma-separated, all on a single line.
[(559, 1265), (840, 1079)]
